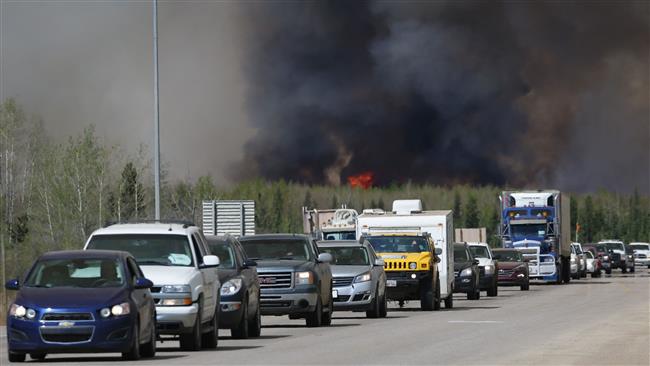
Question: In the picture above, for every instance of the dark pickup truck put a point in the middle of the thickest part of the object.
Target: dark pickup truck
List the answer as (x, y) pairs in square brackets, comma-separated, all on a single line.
[(295, 279)]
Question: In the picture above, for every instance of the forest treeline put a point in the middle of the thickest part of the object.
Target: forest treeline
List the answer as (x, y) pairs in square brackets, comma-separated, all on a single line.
[(54, 194)]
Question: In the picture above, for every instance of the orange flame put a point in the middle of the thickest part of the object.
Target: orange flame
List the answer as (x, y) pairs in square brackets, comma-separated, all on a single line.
[(363, 180)]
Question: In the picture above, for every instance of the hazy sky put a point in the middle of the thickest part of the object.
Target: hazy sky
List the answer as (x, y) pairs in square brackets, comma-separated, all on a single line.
[(74, 63)]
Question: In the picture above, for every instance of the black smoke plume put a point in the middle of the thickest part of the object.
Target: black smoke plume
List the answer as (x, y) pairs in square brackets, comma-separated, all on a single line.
[(512, 93)]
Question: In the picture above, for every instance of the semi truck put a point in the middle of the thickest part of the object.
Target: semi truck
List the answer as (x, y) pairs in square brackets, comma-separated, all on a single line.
[(411, 267), (537, 223), (330, 224)]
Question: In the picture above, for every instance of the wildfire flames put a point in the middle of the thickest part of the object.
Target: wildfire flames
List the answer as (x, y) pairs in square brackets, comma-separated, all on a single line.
[(363, 180)]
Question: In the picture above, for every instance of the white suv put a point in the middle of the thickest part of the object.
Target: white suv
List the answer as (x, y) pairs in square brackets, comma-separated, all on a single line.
[(641, 254), (186, 284), (487, 267)]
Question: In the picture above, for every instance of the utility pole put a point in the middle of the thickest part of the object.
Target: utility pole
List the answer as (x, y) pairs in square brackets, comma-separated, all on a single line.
[(156, 141)]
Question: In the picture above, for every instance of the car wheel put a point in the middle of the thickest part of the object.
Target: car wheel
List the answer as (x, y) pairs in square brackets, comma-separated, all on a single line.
[(624, 268), (374, 310), (525, 287), (255, 326), (493, 291), (210, 339), (39, 356), (327, 316), (16, 357), (383, 310), (148, 350), (192, 341), (426, 297), (436, 297), (241, 331), (449, 301), (134, 352), (315, 318), (632, 269)]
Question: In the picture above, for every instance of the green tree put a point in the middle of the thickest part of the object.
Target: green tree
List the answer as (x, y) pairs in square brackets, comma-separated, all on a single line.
[(471, 212), (131, 204)]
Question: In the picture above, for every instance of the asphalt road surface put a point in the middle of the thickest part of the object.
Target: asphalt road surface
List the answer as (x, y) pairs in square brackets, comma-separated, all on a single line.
[(603, 321)]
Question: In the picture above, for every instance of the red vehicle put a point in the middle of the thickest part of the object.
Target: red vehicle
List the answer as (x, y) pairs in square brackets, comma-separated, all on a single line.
[(513, 269), (601, 253)]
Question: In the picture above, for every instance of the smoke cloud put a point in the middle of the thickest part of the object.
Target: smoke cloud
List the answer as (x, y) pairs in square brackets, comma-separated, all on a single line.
[(520, 94)]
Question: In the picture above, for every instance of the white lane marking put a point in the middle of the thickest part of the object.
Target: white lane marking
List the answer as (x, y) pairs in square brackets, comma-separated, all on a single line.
[(476, 321)]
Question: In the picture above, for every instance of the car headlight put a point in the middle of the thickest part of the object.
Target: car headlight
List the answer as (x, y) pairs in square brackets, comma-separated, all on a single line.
[(364, 277), (413, 265), (121, 309), (175, 288), (304, 278), (466, 272), (17, 311), (105, 312), (489, 269), (231, 287), (176, 301), (606, 257)]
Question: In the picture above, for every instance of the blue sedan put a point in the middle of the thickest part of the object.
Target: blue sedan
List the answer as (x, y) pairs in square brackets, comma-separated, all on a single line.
[(82, 301)]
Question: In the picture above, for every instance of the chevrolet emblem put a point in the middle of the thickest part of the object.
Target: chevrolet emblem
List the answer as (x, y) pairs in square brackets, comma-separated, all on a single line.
[(66, 324)]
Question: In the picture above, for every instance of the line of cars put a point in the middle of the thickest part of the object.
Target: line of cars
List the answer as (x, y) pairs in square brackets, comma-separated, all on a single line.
[(137, 283)]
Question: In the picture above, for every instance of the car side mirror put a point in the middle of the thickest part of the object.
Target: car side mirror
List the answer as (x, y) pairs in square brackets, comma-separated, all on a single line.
[(142, 283), (379, 262), (12, 284), (438, 251), (249, 263), (324, 258), (210, 261), (476, 261)]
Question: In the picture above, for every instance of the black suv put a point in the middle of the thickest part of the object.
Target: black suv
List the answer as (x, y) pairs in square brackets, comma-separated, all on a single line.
[(466, 272), (295, 279), (240, 288)]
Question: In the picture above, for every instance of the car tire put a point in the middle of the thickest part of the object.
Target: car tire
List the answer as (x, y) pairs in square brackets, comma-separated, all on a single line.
[(449, 301), (608, 271), (133, 354), (375, 305), (255, 326), (327, 316), (192, 341), (493, 291), (38, 356), (16, 357), (315, 318), (624, 269), (383, 309), (427, 297), (148, 350), (210, 340), (436, 298), (525, 287), (241, 330), (632, 269)]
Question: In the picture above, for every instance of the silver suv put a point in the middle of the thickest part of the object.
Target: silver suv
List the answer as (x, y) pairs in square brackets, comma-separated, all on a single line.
[(358, 277), (186, 283)]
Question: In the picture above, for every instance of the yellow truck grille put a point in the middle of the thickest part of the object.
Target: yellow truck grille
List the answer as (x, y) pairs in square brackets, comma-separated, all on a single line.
[(395, 265)]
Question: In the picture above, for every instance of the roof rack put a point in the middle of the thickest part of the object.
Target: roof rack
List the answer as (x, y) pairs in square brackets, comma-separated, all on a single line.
[(185, 223)]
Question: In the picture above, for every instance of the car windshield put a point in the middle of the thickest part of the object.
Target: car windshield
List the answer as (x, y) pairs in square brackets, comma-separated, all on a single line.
[(615, 246), (578, 250), (76, 272), (640, 246), (601, 247), (225, 253), (528, 230), (347, 256), (399, 244), (148, 249), (272, 249), (460, 254), (589, 254), (340, 235), (479, 251), (507, 256)]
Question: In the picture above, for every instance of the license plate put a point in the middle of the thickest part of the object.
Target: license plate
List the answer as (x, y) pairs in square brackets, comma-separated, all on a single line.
[(391, 283), (335, 294)]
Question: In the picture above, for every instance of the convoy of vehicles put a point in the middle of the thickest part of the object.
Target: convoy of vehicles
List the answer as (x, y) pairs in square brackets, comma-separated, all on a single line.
[(466, 272), (240, 288), (160, 280), (487, 266), (538, 224), (417, 248), (295, 278), (513, 269), (82, 301), (358, 276), (184, 273)]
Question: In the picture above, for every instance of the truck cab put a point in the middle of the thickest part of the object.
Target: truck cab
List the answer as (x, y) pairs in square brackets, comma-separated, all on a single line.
[(332, 224)]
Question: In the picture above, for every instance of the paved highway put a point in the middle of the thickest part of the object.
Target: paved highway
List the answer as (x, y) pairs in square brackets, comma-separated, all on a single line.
[(601, 321)]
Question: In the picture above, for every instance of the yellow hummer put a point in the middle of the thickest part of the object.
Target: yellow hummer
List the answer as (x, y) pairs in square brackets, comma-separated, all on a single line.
[(411, 267)]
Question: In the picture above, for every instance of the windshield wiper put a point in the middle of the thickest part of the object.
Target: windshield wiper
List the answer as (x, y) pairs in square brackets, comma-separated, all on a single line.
[(150, 262)]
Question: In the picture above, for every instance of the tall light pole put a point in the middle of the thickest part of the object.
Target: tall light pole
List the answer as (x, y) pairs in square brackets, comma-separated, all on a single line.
[(156, 140)]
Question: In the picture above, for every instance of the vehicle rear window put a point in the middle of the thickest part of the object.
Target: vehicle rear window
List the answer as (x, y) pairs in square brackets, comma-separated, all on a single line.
[(460, 254), (479, 251), (148, 249), (225, 253), (507, 256), (347, 256), (274, 249), (76, 272)]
